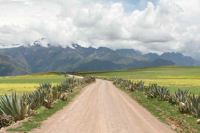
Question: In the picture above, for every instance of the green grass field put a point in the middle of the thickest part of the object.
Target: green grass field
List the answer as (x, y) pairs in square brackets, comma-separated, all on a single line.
[(173, 77), (27, 83)]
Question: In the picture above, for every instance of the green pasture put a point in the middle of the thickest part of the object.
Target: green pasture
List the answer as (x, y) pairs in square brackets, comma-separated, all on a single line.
[(28, 83), (173, 77)]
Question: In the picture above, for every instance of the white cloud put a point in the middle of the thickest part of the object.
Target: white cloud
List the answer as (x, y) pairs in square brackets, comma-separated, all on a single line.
[(167, 26)]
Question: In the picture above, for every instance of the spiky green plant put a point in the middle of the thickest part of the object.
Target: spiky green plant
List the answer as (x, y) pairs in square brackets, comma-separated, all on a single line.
[(181, 96), (118, 81), (48, 101), (193, 105), (45, 94), (172, 99), (89, 79), (163, 94), (56, 92), (132, 86), (16, 106), (140, 86), (35, 99), (152, 91), (46, 86), (64, 96)]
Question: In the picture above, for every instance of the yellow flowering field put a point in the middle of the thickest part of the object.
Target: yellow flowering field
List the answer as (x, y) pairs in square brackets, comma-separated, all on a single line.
[(27, 83)]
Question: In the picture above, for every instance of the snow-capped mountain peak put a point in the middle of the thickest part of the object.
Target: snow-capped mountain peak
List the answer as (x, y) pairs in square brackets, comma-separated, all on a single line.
[(44, 42)]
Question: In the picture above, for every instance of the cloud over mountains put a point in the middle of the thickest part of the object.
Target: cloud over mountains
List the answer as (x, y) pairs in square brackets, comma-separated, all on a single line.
[(168, 25)]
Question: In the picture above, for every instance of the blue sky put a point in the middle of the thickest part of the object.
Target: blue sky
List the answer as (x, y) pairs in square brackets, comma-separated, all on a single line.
[(131, 5)]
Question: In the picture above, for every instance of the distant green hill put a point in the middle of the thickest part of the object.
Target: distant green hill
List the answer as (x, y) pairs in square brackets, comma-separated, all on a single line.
[(178, 58), (9, 66), (97, 65)]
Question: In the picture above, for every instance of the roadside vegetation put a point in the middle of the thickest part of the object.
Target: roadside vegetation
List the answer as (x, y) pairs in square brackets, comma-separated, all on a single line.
[(18, 107), (182, 101), (166, 112), (43, 113)]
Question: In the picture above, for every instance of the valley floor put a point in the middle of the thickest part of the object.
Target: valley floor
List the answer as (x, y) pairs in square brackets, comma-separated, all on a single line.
[(172, 77), (103, 108)]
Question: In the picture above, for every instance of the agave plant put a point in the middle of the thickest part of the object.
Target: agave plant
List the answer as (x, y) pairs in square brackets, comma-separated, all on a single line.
[(15, 106), (163, 94), (41, 95), (89, 79), (118, 81), (69, 84), (48, 101), (56, 92), (132, 86), (35, 100), (152, 91), (181, 96), (172, 99), (63, 97), (46, 86), (125, 84), (66, 86), (193, 105), (140, 86)]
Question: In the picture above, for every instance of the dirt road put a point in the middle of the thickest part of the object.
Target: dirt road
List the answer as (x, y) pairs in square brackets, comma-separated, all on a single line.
[(103, 108)]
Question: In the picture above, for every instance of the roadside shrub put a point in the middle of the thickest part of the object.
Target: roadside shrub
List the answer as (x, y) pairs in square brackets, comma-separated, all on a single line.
[(163, 94), (193, 105), (89, 79), (181, 95), (172, 99), (15, 106), (129, 85), (152, 91)]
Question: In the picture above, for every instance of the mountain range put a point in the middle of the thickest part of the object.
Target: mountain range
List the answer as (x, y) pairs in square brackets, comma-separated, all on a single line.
[(36, 58), (8, 66)]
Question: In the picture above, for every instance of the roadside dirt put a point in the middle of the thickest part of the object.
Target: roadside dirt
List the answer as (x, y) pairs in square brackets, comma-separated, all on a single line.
[(103, 108), (71, 76)]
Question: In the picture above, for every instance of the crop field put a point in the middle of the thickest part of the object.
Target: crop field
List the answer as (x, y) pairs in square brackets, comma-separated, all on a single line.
[(173, 77), (27, 83)]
